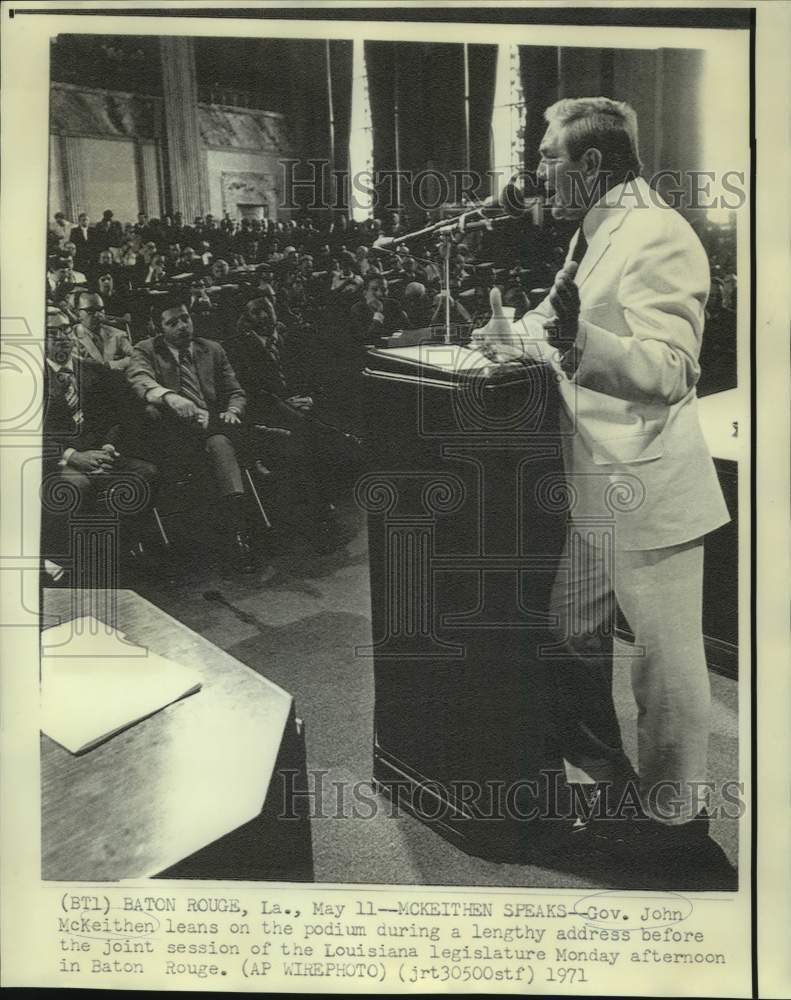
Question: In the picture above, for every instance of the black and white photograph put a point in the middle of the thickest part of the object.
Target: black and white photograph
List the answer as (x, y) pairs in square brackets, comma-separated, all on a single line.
[(392, 517)]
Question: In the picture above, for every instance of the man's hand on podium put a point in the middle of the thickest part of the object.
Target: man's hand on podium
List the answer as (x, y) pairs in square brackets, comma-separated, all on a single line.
[(497, 340)]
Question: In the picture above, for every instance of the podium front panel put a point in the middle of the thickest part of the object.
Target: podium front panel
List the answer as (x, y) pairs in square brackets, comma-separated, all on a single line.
[(466, 521)]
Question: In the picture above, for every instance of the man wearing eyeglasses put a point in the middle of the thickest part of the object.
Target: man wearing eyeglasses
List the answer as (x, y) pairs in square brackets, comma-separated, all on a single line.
[(95, 339), (82, 447)]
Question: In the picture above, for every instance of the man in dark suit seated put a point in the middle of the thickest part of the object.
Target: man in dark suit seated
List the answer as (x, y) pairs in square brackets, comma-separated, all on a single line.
[(198, 407), (308, 449), (83, 437)]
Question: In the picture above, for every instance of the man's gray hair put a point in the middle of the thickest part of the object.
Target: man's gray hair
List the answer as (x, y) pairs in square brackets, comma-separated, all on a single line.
[(603, 124)]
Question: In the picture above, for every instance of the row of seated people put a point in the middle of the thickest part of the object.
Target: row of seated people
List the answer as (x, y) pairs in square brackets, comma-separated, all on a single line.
[(206, 235), (403, 291), (171, 403), (315, 304)]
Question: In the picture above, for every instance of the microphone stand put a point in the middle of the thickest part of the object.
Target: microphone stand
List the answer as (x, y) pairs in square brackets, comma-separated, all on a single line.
[(446, 244), (444, 229)]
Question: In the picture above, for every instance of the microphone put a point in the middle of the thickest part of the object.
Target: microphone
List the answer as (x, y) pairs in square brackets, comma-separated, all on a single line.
[(517, 199), (385, 242), (510, 200)]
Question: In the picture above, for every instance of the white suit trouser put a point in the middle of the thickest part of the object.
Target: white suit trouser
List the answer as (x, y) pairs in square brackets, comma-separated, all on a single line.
[(660, 592)]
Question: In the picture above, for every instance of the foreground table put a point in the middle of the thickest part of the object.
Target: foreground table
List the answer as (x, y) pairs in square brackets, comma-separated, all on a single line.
[(198, 790)]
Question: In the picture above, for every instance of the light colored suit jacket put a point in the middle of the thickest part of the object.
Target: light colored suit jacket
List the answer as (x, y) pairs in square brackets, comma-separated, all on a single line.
[(634, 449), (115, 351)]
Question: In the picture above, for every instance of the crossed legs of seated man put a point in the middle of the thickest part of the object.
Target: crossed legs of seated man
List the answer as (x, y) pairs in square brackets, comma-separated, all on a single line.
[(662, 809), (303, 452), (92, 486)]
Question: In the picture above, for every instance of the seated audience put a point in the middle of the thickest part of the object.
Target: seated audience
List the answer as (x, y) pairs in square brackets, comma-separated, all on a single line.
[(295, 302), (197, 407), (83, 448)]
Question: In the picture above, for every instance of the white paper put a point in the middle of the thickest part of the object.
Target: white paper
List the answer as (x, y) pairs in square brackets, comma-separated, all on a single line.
[(88, 695)]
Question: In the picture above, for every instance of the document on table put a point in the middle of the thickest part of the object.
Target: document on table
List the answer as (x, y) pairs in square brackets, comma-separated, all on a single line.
[(95, 683), (448, 357)]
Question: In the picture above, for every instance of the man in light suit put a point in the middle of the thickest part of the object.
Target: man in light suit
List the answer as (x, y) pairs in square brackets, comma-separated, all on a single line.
[(95, 339), (622, 326), (195, 399)]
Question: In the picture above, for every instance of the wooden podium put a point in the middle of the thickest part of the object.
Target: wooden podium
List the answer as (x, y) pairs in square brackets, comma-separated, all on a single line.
[(465, 498)]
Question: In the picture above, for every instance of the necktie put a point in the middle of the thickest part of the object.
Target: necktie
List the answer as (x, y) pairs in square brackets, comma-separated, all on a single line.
[(581, 246), (69, 384), (272, 348), (189, 384)]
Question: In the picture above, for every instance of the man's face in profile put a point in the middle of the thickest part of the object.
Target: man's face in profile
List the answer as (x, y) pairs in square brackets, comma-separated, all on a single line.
[(562, 177), (176, 326)]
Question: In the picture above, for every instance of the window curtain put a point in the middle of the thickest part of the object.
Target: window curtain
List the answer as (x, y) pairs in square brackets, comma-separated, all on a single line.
[(341, 59), (538, 66), (380, 64), (482, 61), (428, 80)]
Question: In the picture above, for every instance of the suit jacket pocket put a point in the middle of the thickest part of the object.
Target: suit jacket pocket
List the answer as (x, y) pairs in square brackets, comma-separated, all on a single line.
[(628, 449)]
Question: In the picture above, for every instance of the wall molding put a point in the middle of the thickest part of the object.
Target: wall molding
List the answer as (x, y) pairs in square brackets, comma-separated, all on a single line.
[(247, 187)]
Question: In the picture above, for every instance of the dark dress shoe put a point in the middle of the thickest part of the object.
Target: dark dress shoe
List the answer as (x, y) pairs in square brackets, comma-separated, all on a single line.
[(685, 855), (662, 856)]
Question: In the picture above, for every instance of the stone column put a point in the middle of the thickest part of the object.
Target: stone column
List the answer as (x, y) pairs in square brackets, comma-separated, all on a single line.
[(148, 182), (185, 158), (71, 149)]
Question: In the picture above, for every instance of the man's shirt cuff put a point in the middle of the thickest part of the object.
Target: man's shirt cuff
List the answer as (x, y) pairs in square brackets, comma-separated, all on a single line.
[(570, 359), (157, 393)]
